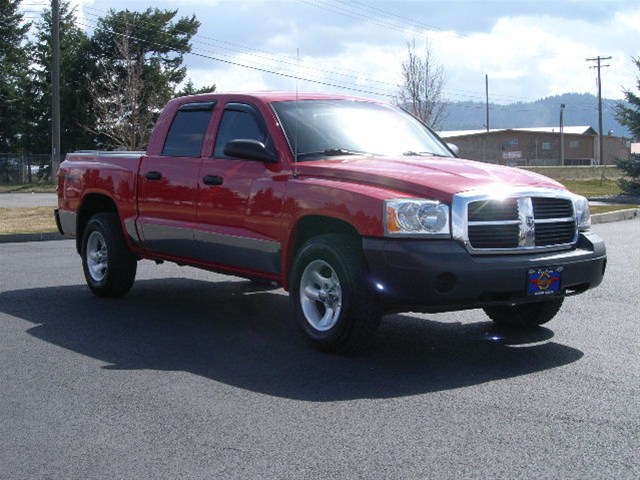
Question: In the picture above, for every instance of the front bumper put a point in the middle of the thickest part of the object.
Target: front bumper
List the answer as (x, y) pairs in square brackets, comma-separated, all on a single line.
[(440, 275)]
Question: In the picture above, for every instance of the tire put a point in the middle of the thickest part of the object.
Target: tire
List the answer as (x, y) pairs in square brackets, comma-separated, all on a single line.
[(527, 315), (108, 264), (332, 301)]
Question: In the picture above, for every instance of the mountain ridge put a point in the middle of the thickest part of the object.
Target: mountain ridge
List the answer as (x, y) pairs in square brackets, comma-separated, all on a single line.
[(581, 109)]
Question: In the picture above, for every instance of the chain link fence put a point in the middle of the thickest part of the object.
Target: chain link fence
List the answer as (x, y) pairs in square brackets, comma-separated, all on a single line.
[(19, 169)]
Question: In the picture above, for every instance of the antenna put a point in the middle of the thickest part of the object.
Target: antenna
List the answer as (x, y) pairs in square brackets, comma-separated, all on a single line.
[(295, 133)]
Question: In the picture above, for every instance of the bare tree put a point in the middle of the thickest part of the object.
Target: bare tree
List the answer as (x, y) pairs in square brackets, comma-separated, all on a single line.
[(120, 98), (421, 92)]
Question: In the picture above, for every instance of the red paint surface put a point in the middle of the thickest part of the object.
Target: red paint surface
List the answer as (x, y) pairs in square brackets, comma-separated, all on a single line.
[(265, 201)]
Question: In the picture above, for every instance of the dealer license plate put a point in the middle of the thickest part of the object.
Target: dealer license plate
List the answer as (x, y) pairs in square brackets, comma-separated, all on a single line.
[(544, 281)]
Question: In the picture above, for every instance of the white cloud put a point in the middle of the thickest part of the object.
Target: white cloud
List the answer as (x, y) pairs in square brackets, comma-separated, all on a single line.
[(529, 57), (526, 55), (232, 79)]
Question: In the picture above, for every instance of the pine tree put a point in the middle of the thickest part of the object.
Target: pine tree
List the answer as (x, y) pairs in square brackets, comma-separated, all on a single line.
[(77, 117), (629, 116), (140, 64), (190, 89), (13, 75)]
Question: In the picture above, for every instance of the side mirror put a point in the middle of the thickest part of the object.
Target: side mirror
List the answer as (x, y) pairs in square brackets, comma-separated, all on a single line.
[(454, 148), (249, 150)]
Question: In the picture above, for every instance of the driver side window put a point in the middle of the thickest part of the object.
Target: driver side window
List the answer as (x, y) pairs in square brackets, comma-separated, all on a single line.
[(239, 122)]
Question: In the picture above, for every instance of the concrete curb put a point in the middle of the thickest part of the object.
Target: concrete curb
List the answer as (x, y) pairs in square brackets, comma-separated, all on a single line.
[(617, 216), (31, 237)]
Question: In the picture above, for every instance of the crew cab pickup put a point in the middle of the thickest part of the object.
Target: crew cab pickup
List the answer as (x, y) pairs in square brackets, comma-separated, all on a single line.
[(353, 206)]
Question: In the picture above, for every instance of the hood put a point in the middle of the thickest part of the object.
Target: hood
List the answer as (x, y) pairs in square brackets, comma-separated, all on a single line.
[(432, 177)]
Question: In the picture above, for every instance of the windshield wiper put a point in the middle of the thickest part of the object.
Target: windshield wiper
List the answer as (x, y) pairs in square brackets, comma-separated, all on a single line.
[(411, 153), (332, 152)]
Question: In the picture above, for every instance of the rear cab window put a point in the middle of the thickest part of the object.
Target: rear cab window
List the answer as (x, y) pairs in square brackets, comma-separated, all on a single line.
[(188, 129)]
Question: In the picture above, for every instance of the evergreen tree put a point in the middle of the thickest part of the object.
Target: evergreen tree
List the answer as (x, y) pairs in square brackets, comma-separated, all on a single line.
[(629, 116), (76, 117), (140, 64), (13, 75), (190, 89)]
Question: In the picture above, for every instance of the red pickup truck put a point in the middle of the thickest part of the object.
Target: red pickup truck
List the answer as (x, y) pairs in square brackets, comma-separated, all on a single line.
[(353, 206)]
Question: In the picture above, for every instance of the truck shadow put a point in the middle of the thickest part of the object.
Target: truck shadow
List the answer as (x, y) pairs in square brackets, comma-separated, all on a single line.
[(242, 335)]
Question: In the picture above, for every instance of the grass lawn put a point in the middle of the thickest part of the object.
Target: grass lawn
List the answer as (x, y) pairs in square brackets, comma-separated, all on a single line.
[(609, 208), (593, 187), (27, 220)]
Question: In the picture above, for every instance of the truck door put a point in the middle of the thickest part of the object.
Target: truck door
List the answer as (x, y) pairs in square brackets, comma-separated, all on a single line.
[(168, 183), (228, 185)]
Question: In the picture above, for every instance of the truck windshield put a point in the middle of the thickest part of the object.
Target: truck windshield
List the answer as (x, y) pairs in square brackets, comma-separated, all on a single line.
[(326, 128)]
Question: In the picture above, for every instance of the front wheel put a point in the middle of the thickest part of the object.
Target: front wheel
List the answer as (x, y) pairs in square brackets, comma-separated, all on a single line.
[(333, 303), (526, 315), (108, 264)]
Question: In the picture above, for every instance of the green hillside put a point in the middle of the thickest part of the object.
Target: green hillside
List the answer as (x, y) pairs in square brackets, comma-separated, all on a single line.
[(580, 109)]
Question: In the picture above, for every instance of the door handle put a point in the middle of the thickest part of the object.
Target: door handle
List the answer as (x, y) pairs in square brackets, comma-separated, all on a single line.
[(154, 176), (212, 180)]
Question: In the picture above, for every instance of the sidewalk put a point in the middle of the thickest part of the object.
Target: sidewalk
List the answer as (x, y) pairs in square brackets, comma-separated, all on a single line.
[(27, 200)]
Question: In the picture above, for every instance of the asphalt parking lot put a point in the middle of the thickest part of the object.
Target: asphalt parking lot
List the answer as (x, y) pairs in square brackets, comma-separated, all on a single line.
[(196, 375)]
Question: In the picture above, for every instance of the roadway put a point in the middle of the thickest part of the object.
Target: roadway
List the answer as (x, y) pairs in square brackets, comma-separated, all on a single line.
[(196, 375)]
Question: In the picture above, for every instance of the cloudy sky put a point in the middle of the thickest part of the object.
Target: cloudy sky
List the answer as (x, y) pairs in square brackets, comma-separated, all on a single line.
[(529, 49)]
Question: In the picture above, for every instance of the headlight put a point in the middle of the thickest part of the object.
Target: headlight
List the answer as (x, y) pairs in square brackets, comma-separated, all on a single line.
[(583, 215), (407, 217)]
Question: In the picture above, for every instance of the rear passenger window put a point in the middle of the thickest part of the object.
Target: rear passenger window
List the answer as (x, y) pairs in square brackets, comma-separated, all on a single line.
[(186, 134)]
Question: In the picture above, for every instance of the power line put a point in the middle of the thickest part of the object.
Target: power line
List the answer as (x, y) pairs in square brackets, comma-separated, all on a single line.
[(354, 15), (252, 67), (401, 18), (218, 50), (386, 88), (271, 56), (215, 55), (360, 11)]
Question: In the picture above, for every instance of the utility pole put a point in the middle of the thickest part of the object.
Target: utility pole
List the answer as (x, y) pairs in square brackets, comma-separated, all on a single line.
[(562, 134), (55, 88), (598, 65)]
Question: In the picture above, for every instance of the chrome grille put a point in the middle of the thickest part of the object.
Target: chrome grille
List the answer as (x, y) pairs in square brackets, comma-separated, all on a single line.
[(554, 233), (494, 236), (490, 211), (544, 208), (524, 220)]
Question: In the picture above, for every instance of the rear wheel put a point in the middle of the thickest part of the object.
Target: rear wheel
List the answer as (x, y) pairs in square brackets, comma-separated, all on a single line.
[(333, 303), (526, 315), (108, 264)]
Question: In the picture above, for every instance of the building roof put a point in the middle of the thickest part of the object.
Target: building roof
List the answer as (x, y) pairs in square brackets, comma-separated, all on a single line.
[(582, 130)]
